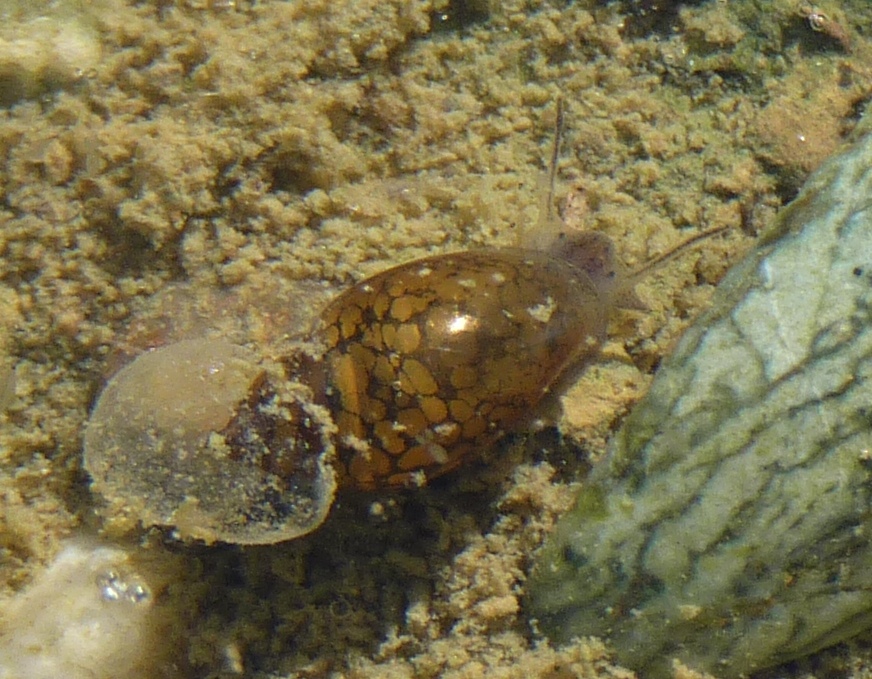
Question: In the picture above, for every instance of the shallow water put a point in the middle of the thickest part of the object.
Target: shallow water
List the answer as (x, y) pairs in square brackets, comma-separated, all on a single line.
[(302, 145)]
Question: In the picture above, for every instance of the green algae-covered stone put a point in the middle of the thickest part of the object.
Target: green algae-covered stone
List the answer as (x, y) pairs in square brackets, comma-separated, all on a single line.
[(731, 526)]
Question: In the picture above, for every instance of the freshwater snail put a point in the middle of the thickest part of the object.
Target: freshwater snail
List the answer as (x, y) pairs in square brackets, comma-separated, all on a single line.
[(415, 370), (419, 367), (437, 358)]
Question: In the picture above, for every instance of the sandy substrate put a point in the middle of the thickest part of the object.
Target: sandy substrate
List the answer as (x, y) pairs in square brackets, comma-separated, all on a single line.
[(178, 169)]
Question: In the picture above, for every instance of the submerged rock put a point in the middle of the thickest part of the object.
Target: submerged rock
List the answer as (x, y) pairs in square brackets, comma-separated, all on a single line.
[(730, 525), (96, 612)]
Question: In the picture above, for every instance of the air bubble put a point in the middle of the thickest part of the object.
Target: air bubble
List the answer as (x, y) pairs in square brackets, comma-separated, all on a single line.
[(117, 587)]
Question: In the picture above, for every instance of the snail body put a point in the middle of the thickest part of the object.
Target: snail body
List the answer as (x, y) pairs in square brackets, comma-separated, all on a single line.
[(204, 436)]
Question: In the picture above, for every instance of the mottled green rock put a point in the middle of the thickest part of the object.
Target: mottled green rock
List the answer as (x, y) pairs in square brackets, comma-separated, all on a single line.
[(730, 525)]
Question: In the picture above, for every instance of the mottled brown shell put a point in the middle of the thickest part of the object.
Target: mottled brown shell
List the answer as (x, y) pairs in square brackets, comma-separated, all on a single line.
[(432, 360)]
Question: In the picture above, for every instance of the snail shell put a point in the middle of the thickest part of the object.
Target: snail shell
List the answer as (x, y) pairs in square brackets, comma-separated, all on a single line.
[(435, 359)]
